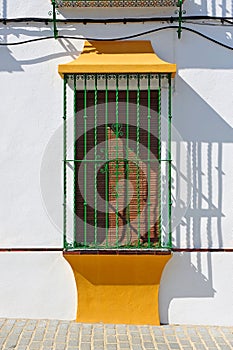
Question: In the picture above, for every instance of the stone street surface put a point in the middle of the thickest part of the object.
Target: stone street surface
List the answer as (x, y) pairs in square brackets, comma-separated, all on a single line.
[(65, 335)]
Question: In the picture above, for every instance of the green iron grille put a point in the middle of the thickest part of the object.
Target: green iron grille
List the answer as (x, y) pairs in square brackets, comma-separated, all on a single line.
[(118, 198)]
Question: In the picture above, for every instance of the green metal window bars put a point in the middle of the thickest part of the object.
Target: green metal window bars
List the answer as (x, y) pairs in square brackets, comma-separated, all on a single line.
[(118, 177)]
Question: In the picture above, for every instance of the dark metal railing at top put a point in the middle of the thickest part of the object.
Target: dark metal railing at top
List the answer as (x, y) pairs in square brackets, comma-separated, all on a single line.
[(117, 177), (116, 3)]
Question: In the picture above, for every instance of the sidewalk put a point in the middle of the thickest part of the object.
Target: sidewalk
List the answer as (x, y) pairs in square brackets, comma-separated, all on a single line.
[(65, 335)]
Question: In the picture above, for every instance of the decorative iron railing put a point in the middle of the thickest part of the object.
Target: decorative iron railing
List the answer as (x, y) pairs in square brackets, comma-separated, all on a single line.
[(116, 3), (117, 173)]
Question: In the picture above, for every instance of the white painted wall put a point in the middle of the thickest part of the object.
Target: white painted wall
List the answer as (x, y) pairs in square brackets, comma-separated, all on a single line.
[(31, 154)]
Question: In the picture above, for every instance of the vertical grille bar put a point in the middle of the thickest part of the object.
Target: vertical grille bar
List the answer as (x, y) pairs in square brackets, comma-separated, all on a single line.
[(127, 161), (159, 166), (64, 160), (85, 163), (106, 162), (117, 163), (148, 158), (95, 164), (74, 164), (138, 156), (169, 164)]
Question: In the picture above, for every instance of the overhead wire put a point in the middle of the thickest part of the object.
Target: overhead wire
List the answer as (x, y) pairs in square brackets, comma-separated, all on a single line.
[(170, 19), (131, 36)]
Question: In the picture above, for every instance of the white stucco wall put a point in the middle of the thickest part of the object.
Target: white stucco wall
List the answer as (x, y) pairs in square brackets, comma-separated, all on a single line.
[(31, 116)]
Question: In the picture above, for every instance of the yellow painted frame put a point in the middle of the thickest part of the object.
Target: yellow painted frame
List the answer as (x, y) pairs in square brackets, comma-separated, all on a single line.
[(117, 57), (118, 288)]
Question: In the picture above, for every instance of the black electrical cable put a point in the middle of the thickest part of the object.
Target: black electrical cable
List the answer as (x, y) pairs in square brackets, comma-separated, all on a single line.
[(121, 38), (170, 19)]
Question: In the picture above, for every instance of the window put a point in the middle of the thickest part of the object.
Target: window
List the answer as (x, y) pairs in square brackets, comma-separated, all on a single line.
[(117, 174), (116, 165)]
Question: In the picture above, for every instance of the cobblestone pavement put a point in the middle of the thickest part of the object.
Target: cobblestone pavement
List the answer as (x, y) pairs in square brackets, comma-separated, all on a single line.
[(66, 335)]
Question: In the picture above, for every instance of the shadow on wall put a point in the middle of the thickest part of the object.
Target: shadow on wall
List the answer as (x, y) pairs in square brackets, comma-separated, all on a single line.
[(64, 47), (215, 8), (204, 133), (185, 279)]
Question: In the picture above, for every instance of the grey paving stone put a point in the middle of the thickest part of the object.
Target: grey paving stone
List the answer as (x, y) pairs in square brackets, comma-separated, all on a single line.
[(209, 343), (124, 345), (162, 346), (27, 334), (51, 329), (98, 336), (174, 346), (38, 337), (137, 347), (109, 326), (184, 342), (111, 339), (19, 322), (220, 340), (171, 338), (157, 330), (85, 338), (195, 339), (74, 336), (24, 341), (159, 339), (85, 346), (48, 343), (60, 346), (121, 330), (215, 331), (10, 345), (86, 331), (144, 330), (147, 338), (149, 345), (181, 335), (61, 333), (60, 339), (6, 329), (123, 337), (225, 347), (169, 331), (35, 345), (98, 344), (199, 346), (111, 347), (225, 330), (136, 340), (17, 330), (110, 331), (73, 342), (74, 327), (49, 335)]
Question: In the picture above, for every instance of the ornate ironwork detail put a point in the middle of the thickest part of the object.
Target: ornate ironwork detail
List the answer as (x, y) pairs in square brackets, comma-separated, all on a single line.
[(116, 3)]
